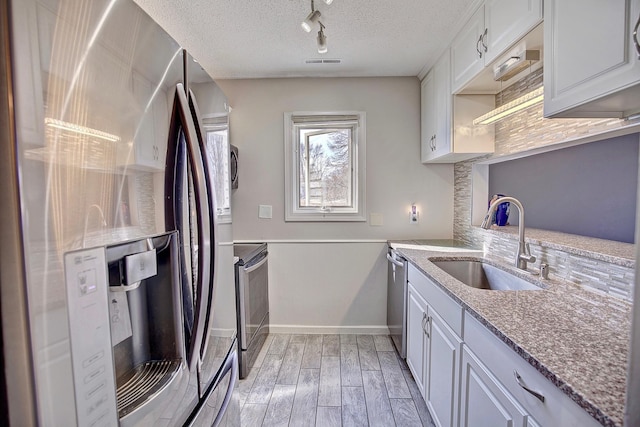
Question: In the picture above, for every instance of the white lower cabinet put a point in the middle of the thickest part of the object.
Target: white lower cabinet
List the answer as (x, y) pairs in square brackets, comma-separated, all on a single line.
[(468, 377), (433, 347), (443, 361), (483, 400), (416, 336)]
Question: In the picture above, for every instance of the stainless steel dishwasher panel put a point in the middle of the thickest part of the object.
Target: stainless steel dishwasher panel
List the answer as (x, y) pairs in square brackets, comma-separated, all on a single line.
[(397, 301)]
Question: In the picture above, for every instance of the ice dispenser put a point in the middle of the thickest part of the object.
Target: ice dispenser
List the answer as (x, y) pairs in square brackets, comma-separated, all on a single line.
[(142, 303)]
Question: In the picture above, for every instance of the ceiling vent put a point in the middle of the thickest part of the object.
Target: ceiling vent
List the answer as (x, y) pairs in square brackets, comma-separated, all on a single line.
[(323, 61), (514, 64)]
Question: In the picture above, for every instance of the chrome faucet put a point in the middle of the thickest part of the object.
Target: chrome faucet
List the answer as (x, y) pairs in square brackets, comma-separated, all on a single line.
[(524, 253)]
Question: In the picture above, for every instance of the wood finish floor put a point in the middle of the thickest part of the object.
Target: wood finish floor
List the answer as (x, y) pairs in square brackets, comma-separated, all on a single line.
[(330, 380)]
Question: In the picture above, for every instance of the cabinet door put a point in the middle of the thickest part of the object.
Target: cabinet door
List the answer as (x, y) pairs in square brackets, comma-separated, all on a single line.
[(427, 116), (590, 55), (442, 384), (436, 111), (467, 52), (484, 402), (442, 76), (507, 21), (416, 337)]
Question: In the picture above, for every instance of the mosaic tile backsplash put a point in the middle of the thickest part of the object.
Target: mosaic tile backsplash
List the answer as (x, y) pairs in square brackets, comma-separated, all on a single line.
[(524, 131)]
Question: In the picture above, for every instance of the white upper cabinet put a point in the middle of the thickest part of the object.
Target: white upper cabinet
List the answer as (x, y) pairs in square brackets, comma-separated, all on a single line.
[(492, 29), (436, 111), (591, 66), (447, 132)]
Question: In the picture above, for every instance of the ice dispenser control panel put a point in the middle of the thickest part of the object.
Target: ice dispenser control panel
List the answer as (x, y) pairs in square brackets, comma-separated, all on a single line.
[(90, 336)]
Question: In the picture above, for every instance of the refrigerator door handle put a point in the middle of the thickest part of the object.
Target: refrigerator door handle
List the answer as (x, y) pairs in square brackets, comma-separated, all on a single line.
[(231, 363), (195, 112), (199, 178)]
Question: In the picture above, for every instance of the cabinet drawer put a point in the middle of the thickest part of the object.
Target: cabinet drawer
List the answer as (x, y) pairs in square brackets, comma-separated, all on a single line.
[(450, 311), (556, 410)]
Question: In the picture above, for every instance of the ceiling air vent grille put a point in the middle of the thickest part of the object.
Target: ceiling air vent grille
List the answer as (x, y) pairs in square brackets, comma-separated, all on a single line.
[(323, 61)]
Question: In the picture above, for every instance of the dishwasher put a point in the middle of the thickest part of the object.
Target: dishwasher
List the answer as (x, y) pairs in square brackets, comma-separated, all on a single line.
[(252, 301), (397, 301)]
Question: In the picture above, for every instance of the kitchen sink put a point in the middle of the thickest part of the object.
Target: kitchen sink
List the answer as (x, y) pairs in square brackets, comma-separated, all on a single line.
[(481, 275)]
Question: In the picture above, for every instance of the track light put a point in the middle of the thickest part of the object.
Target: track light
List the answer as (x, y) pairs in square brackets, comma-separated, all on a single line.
[(328, 2), (311, 18), (322, 40)]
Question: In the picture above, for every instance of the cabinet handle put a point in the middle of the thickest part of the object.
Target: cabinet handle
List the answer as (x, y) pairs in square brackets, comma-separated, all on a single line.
[(478, 44), (635, 37), (527, 389), (483, 38), (425, 319), (434, 143)]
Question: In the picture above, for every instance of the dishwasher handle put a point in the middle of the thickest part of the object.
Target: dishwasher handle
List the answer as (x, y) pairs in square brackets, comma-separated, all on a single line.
[(393, 260)]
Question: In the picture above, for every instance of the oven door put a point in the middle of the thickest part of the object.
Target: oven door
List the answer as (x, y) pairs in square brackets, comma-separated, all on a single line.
[(253, 297)]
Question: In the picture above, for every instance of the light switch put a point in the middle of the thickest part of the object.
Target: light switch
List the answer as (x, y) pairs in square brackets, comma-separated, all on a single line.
[(265, 211)]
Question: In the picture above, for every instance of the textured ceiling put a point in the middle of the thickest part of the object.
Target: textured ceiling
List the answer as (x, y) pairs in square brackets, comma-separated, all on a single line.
[(258, 39)]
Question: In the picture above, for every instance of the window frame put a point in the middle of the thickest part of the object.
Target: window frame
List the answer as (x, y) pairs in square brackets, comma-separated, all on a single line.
[(217, 123), (356, 121)]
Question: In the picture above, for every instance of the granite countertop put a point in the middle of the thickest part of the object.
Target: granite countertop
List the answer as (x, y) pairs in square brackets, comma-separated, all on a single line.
[(577, 339)]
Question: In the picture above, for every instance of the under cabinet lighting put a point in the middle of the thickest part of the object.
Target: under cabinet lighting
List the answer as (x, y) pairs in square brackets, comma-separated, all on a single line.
[(72, 127), (509, 108)]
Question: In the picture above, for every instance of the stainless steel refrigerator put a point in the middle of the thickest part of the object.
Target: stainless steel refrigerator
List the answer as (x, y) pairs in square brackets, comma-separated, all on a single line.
[(108, 288)]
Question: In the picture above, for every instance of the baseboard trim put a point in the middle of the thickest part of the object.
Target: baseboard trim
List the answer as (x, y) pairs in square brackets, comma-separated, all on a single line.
[(300, 329)]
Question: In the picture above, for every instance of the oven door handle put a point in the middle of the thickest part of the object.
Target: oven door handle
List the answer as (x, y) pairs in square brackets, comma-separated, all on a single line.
[(253, 267)]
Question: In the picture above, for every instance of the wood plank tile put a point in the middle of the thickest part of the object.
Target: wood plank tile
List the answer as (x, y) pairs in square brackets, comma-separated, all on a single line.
[(365, 342), (348, 339), (330, 389), (245, 384), (291, 364), (405, 413), (350, 366), (394, 380), (421, 406), (330, 345), (383, 343), (368, 354), (266, 379), (312, 352), (354, 407), (279, 344), (329, 416), (263, 352), (306, 399), (298, 339), (252, 414), (279, 409), (378, 406)]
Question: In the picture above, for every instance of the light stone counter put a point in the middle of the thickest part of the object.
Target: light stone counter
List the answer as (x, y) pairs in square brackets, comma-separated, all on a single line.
[(577, 339)]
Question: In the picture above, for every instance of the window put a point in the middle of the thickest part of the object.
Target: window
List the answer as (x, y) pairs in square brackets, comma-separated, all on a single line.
[(325, 166), (217, 142)]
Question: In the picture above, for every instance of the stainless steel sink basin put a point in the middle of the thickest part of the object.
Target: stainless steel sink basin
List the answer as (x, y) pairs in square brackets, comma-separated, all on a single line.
[(481, 275)]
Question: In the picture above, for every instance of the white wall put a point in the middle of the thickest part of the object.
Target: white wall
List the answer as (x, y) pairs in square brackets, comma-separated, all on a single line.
[(395, 176), (332, 285)]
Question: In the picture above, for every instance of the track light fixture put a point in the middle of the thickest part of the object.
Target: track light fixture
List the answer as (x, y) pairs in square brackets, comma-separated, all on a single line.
[(322, 40), (313, 17)]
